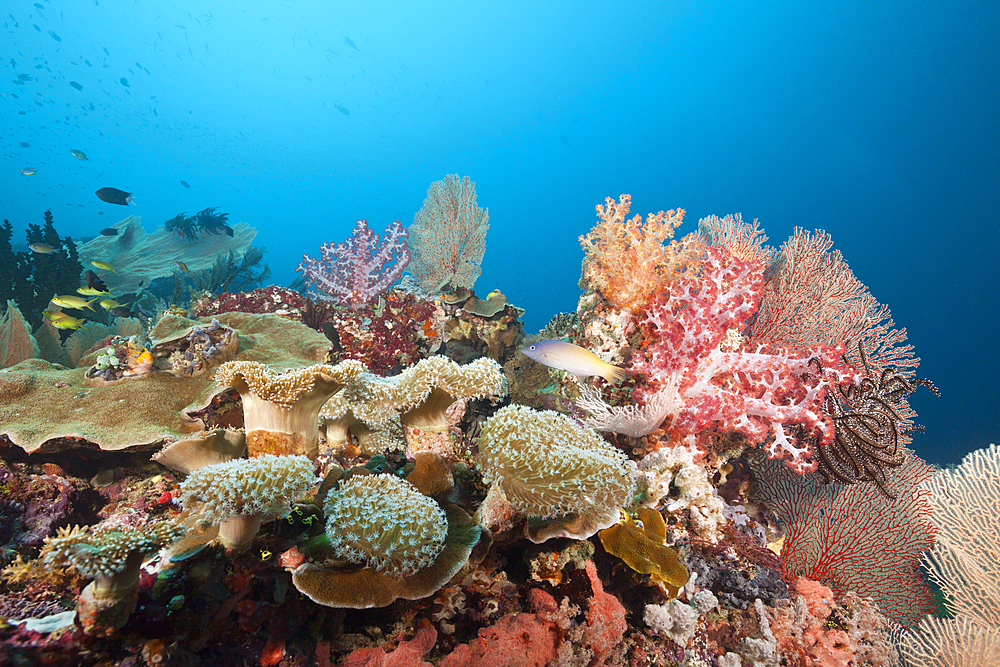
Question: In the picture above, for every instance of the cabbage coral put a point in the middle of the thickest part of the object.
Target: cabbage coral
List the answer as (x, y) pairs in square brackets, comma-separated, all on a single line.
[(243, 493), (547, 466)]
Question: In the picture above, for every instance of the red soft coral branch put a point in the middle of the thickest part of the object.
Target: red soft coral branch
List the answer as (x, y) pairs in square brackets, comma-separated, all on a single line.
[(694, 350)]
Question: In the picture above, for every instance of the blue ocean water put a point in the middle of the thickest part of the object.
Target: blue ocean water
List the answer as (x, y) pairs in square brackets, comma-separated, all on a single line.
[(873, 121)]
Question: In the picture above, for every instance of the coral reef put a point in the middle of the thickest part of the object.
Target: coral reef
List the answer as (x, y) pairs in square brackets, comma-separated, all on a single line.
[(385, 481)]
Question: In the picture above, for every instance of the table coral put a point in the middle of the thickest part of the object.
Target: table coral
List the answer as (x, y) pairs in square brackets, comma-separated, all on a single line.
[(41, 403)]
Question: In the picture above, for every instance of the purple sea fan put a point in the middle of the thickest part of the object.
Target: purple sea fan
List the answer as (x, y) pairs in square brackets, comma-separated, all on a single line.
[(361, 268)]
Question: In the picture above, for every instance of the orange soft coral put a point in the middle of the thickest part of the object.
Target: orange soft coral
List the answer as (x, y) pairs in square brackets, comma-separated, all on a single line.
[(627, 261)]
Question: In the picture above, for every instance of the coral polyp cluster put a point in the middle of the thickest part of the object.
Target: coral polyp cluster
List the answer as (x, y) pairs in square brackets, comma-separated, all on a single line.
[(383, 522)]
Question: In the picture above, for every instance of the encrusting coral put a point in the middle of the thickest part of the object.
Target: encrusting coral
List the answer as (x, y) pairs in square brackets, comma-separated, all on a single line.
[(241, 494), (112, 557), (642, 545)]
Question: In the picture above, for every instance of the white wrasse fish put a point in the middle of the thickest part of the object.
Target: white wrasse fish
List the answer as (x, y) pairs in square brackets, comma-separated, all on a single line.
[(572, 359)]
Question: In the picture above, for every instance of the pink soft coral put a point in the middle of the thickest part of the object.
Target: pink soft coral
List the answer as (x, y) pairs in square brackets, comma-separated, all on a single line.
[(694, 356), (361, 268)]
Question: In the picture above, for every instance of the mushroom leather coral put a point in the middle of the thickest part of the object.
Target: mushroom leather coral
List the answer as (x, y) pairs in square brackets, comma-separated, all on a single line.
[(42, 403), (547, 465), (357, 587), (280, 410)]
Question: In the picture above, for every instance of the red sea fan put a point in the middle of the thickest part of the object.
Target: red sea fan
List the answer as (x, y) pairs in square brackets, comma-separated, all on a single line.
[(855, 538)]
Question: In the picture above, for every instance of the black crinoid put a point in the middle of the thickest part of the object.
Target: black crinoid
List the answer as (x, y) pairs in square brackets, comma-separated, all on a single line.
[(871, 427), (183, 225), (213, 223)]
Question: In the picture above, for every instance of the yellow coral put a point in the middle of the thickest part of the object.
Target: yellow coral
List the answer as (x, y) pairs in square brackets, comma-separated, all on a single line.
[(643, 548), (627, 261)]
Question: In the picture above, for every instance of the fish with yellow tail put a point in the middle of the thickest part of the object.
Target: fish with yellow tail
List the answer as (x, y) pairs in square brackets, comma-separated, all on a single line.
[(75, 302), (572, 359), (104, 266), (63, 321), (90, 291)]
